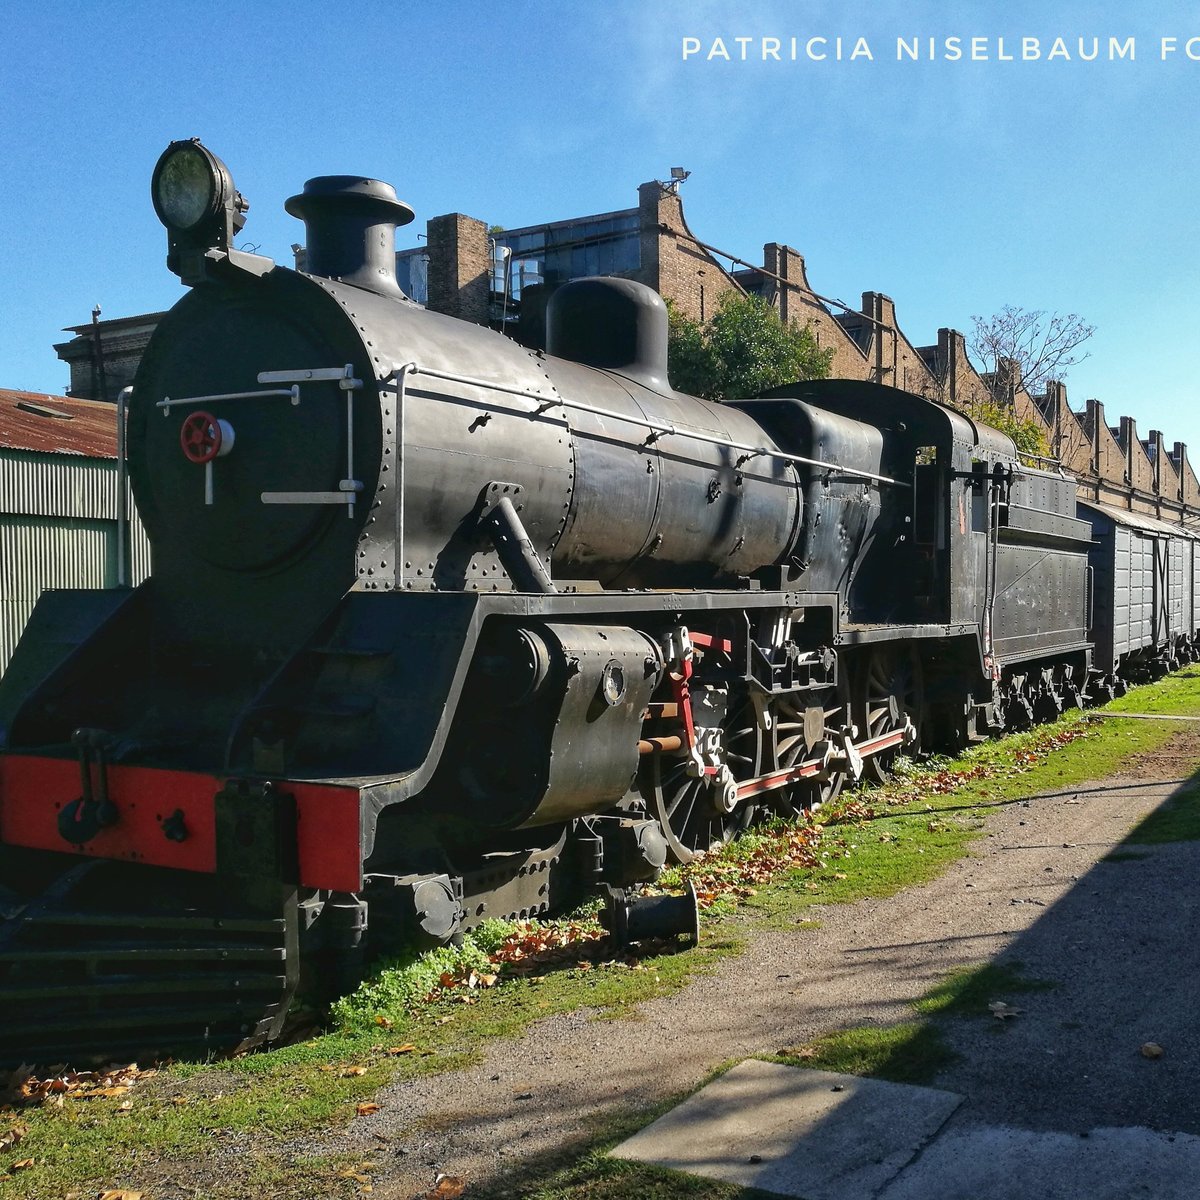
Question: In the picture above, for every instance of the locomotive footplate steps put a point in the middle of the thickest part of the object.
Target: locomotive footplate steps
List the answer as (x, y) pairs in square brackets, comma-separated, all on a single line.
[(104, 965)]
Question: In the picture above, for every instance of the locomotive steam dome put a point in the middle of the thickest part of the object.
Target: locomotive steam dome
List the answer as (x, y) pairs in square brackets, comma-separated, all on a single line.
[(665, 484), (611, 323)]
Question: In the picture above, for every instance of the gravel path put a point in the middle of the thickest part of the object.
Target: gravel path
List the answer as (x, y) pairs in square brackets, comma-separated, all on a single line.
[(1116, 937)]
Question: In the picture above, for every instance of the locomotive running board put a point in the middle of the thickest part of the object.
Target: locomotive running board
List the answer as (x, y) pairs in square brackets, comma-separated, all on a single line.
[(815, 767)]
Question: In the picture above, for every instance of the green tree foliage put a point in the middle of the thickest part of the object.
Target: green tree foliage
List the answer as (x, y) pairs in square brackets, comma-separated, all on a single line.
[(743, 350), (1026, 433)]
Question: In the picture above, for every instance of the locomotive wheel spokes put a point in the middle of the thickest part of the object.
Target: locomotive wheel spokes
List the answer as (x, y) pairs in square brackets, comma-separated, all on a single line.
[(690, 808), (891, 690), (694, 811), (791, 748)]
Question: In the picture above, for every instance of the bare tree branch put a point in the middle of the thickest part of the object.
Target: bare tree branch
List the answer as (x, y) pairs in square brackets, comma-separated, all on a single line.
[(1027, 348)]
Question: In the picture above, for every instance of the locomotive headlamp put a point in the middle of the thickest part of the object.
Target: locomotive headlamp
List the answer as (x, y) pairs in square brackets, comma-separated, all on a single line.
[(195, 199), (191, 184), (185, 186)]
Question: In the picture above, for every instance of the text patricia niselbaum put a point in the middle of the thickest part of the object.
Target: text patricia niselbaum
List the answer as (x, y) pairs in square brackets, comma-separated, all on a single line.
[(923, 48)]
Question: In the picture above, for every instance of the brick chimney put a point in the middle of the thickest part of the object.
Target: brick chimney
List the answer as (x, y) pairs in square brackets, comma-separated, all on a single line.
[(1128, 439), (786, 263), (882, 311), (459, 267)]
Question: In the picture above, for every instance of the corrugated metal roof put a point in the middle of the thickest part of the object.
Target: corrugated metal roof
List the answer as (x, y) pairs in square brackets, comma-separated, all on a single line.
[(1138, 520), (57, 424)]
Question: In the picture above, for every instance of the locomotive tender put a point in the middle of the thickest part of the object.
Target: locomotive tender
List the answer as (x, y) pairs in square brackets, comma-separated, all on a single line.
[(440, 628)]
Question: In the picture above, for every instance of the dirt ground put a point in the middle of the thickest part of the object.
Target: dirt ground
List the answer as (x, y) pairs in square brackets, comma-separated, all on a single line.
[(1115, 937)]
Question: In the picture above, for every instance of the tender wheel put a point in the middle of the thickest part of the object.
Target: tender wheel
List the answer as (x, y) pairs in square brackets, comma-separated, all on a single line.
[(1047, 699), (1018, 703), (891, 689), (1072, 685)]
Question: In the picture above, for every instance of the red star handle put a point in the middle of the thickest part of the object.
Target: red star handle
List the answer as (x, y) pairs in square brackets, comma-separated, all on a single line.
[(200, 437)]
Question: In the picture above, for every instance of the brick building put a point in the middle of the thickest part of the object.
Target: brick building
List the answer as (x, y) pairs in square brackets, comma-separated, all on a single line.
[(503, 277), (104, 355)]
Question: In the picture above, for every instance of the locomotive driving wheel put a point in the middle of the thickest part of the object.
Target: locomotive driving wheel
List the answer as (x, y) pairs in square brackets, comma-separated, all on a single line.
[(800, 725), (701, 812), (890, 690)]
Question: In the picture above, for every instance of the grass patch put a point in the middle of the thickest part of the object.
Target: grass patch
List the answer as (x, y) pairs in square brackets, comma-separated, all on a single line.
[(912, 1052), (596, 1176), (1165, 696), (877, 841), (1178, 820), (968, 991), (400, 985), (254, 1104), (99, 1143)]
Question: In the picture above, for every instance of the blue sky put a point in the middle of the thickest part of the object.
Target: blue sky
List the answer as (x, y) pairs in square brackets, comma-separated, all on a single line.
[(954, 187)]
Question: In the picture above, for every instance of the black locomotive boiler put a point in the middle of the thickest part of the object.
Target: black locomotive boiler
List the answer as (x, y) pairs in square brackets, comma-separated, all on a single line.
[(440, 628)]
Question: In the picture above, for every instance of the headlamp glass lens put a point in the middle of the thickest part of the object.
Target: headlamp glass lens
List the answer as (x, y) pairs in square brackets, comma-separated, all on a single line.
[(185, 188)]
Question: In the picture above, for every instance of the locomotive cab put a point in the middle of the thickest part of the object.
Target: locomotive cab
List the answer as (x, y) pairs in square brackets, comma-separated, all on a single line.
[(899, 498)]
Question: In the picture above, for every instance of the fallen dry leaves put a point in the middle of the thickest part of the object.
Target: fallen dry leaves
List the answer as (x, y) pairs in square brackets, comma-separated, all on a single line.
[(798, 1052), (448, 1187), (529, 950), (942, 783), (716, 877), (534, 948), (531, 945), (13, 1136), (24, 1087)]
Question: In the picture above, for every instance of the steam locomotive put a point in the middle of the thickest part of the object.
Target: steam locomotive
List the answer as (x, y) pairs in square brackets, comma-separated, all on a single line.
[(441, 628)]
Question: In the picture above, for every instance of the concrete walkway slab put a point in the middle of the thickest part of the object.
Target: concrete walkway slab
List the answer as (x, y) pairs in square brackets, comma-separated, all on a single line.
[(1000, 1163), (795, 1132)]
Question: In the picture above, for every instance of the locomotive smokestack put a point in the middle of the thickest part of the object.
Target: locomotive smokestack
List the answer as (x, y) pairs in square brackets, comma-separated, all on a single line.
[(612, 323), (350, 226)]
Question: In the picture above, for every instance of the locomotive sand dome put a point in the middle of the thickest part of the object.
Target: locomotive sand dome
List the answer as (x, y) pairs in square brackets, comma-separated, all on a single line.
[(440, 628)]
